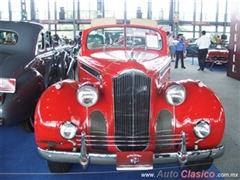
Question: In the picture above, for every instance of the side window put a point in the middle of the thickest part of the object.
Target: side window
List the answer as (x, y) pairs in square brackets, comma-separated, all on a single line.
[(8, 37), (95, 39)]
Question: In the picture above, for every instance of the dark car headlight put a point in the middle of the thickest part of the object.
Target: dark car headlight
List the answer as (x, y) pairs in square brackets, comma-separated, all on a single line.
[(202, 129), (175, 94), (87, 95), (68, 130)]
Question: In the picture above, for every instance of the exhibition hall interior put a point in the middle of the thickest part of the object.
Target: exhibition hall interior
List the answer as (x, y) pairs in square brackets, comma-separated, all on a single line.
[(119, 89)]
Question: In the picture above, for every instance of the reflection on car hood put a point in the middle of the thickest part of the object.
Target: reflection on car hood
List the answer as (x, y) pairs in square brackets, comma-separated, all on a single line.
[(126, 55), (116, 61)]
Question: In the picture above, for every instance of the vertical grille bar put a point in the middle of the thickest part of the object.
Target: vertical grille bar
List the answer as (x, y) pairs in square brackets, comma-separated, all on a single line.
[(131, 106)]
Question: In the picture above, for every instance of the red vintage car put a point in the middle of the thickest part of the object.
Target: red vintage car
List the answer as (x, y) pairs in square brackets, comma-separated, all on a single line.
[(216, 54), (125, 110)]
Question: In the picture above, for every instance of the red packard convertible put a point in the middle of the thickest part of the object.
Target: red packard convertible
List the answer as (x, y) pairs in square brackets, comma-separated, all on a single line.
[(123, 108)]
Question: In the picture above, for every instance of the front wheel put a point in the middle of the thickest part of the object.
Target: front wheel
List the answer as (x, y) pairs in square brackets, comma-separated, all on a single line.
[(27, 125), (200, 166), (56, 167)]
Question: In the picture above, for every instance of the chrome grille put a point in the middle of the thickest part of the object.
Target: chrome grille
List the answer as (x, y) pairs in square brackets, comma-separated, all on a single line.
[(98, 130), (173, 140), (164, 130), (131, 108)]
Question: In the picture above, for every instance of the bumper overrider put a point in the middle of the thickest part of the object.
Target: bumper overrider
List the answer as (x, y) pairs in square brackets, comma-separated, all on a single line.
[(84, 158)]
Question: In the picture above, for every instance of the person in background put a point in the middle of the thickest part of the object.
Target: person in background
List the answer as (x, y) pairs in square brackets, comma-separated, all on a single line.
[(66, 40), (109, 39), (120, 40), (9, 39), (75, 39), (179, 49), (219, 42), (203, 44), (171, 46), (79, 39), (56, 39)]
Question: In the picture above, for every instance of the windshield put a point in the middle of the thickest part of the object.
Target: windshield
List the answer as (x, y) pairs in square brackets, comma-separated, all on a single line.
[(121, 37)]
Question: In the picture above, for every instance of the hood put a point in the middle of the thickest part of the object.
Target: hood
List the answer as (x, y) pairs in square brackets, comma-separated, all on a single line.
[(12, 65), (117, 61)]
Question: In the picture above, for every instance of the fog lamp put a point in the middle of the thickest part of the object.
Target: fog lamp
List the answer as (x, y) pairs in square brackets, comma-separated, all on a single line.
[(68, 130), (202, 129)]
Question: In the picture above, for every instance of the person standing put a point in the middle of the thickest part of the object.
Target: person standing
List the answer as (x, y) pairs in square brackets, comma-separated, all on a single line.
[(109, 39), (79, 40), (179, 49), (203, 44)]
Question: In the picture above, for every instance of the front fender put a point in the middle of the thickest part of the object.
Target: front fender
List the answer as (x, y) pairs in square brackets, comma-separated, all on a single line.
[(58, 105), (201, 104)]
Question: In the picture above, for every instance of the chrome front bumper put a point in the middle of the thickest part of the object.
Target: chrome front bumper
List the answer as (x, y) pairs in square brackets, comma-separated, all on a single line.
[(158, 158), (84, 158)]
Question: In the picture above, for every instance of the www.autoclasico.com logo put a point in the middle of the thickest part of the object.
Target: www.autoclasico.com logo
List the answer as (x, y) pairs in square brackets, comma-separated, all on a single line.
[(188, 174)]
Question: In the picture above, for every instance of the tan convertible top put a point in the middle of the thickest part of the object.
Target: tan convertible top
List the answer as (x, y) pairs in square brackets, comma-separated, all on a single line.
[(146, 22), (103, 21), (112, 20)]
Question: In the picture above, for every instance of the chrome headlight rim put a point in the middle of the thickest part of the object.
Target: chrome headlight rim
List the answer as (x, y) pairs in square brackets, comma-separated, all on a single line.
[(179, 89), (70, 127), (89, 91), (202, 129)]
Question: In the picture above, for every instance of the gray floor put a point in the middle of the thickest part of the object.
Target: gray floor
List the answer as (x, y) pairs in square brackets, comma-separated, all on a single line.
[(228, 90)]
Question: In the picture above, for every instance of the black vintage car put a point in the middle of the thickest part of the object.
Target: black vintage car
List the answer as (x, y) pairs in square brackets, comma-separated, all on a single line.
[(29, 62)]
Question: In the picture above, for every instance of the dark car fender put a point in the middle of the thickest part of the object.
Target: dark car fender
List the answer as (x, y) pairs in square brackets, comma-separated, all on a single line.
[(21, 104)]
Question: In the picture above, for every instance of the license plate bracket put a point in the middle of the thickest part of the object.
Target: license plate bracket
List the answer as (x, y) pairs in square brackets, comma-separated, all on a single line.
[(134, 160)]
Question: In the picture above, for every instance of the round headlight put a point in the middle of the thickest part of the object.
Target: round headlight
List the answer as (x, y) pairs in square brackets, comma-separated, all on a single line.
[(68, 130), (87, 95), (175, 94), (202, 129)]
